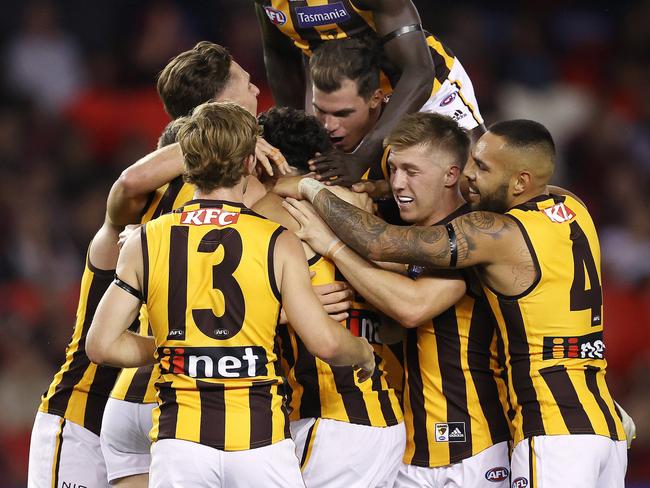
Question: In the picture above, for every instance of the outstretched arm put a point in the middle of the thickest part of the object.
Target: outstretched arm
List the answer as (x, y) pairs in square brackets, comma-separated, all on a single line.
[(284, 64), (479, 236)]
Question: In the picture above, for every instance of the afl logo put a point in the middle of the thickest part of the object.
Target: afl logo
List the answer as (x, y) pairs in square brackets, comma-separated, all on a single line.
[(520, 483), (497, 474), (275, 16), (449, 99)]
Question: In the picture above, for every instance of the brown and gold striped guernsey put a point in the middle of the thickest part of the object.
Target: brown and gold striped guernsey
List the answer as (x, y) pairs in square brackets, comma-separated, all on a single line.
[(137, 384), (316, 389), (454, 396), (308, 23), (553, 332), (80, 389), (213, 306)]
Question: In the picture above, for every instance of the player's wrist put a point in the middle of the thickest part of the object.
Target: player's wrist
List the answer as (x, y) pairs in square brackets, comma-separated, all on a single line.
[(334, 248), (309, 188)]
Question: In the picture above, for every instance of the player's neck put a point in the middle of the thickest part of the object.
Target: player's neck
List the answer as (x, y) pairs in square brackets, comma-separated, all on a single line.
[(529, 195), (451, 201), (233, 194)]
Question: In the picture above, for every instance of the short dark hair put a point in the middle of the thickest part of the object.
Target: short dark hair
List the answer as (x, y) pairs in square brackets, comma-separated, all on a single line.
[(170, 132), (355, 58), (194, 77), (297, 135), (432, 129), (522, 133)]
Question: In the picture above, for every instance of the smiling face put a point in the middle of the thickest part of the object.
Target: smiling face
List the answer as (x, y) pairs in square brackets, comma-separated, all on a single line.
[(418, 177), (240, 90), (346, 115), (489, 174)]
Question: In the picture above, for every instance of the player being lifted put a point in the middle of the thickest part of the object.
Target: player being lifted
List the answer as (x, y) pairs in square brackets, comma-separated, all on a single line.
[(419, 72), (214, 317), (538, 258)]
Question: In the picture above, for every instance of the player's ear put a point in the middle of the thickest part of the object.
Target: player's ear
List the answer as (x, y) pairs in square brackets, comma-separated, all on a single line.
[(522, 183), (376, 98), (451, 175), (250, 162)]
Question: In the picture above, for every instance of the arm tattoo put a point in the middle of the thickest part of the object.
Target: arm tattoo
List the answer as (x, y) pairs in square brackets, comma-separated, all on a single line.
[(374, 239)]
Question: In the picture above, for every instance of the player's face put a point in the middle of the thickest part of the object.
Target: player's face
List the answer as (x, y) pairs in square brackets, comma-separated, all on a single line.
[(346, 116), (488, 175), (240, 90), (417, 178)]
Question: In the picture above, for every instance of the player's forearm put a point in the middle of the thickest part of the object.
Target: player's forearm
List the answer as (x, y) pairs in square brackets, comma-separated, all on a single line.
[(376, 240), (129, 350), (129, 193)]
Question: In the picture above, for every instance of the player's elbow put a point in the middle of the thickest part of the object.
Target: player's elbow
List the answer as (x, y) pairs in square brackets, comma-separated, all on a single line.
[(129, 183), (94, 349), (327, 348), (411, 316)]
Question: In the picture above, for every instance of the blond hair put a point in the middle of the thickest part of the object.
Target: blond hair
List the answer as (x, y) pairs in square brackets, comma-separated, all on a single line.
[(216, 140)]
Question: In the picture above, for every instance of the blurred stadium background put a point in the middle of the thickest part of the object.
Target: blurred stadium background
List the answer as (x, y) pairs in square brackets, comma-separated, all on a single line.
[(78, 104)]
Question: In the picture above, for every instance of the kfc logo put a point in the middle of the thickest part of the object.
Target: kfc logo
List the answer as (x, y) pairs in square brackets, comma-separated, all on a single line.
[(209, 216)]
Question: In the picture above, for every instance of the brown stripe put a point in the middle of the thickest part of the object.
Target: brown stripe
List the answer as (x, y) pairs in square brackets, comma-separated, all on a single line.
[(98, 393), (213, 414), (307, 34), (58, 403), (416, 397), (166, 203), (440, 67), (307, 376), (454, 386), (139, 385), (271, 263), (168, 411), (522, 383), (481, 331), (501, 360), (260, 401), (57, 461), (531, 464), (390, 417), (566, 398), (353, 402), (177, 295), (591, 376), (307, 446), (145, 263)]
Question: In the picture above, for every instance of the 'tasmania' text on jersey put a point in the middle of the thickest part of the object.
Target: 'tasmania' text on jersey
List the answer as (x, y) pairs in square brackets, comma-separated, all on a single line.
[(310, 22), (553, 332), (213, 306)]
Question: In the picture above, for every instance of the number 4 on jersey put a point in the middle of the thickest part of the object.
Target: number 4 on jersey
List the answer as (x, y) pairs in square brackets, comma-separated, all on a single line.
[(584, 267)]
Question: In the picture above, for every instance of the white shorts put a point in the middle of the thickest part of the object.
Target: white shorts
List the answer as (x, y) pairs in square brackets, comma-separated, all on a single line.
[(489, 468), (62, 453), (125, 438), (334, 453), (569, 461), (456, 99), (177, 463)]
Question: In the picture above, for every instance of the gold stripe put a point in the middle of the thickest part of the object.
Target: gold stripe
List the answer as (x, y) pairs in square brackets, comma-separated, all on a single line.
[(465, 102), (57, 454), (309, 447)]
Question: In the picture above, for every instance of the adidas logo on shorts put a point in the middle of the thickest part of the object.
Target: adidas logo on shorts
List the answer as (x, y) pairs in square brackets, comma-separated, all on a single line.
[(450, 432)]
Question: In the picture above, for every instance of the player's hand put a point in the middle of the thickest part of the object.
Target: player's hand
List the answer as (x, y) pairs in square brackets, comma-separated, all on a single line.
[(313, 230), (287, 186), (339, 168), (267, 156), (126, 233), (367, 367), (336, 299), (376, 189)]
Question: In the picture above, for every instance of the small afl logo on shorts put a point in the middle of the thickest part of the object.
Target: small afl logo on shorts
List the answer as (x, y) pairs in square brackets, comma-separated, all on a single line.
[(497, 474), (449, 99), (520, 483), (275, 16)]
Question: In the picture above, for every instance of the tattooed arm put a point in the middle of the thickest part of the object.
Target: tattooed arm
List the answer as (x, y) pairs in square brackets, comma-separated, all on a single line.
[(481, 237)]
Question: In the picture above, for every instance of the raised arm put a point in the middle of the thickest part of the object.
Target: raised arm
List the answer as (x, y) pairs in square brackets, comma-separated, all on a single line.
[(109, 342), (477, 237), (322, 336), (285, 70), (130, 192)]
